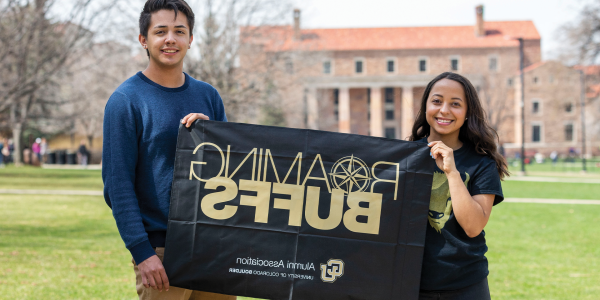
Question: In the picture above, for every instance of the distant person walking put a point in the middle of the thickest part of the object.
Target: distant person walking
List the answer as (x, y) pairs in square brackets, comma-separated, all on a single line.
[(36, 149), (2, 156), (6, 151), (554, 157), (83, 154), (43, 149)]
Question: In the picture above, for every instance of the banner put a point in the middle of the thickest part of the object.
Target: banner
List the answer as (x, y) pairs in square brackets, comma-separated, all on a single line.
[(281, 213)]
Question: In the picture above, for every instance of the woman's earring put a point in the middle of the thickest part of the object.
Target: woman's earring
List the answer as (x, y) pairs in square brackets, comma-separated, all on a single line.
[(466, 118)]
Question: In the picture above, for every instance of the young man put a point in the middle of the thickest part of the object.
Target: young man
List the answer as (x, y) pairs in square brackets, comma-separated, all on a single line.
[(140, 135)]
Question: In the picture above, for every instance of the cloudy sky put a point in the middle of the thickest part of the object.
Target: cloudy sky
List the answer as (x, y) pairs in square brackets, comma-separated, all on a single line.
[(547, 15)]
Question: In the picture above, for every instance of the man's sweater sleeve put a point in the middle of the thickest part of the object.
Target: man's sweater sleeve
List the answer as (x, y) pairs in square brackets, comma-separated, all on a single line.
[(119, 160)]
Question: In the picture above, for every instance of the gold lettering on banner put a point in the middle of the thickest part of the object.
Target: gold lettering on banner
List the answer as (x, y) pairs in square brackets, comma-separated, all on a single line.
[(373, 212), (259, 165), (243, 161), (260, 201), (268, 155), (386, 180), (192, 173), (336, 209), (227, 161), (208, 202), (299, 159), (294, 204), (324, 178)]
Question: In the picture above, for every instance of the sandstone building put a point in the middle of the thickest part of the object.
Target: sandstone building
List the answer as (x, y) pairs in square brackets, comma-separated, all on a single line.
[(370, 80)]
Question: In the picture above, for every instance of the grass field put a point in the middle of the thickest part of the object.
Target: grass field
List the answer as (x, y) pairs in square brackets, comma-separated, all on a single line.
[(68, 247), (48, 179), (562, 166)]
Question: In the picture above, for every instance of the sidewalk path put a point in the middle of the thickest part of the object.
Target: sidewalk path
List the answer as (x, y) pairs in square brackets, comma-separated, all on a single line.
[(552, 201), (100, 193), (554, 179), (51, 192)]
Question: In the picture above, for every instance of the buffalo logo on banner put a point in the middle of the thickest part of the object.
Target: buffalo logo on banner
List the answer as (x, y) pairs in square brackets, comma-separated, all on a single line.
[(332, 270)]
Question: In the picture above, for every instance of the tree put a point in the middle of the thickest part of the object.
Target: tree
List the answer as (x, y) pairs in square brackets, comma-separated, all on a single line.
[(581, 37), (496, 100), (580, 40), (37, 49), (223, 33), (101, 69)]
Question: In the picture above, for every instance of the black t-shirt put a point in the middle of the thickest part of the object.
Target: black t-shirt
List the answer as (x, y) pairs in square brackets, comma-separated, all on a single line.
[(452, 260)]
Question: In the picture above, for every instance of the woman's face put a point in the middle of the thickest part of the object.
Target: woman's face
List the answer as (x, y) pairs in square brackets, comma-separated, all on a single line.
[(446, 107)]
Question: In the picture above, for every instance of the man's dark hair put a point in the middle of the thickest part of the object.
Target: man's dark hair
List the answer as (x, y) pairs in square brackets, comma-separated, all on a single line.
[(153, 6)]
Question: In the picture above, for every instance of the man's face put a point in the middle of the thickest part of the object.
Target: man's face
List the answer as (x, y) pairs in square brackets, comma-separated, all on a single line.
[(168, 38)]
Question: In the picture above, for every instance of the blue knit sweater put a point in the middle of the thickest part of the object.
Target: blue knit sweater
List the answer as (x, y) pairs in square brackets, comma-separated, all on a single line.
[(141, 121)]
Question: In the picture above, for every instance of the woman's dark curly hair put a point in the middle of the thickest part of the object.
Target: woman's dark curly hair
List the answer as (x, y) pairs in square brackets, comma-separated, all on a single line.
[(475, 131)]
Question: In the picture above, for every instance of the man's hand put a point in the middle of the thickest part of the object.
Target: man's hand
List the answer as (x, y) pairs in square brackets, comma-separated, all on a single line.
[(153, 274), (190, 118)]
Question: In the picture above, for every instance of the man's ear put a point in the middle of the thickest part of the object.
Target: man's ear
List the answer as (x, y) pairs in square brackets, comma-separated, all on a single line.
[(191, 40), (143, 41)]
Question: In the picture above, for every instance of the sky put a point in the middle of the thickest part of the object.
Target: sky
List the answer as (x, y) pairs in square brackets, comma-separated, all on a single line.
[(547, 15)]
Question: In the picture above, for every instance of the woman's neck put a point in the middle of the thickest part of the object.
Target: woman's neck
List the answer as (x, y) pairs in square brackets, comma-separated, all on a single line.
[(451, 140)]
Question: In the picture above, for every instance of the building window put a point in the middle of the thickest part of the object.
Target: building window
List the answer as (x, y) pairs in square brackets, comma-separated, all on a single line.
[(391, 66), (454, 63), (359, 67), (536, 80), (569, 107), (389, 95), (336, 104), (569, 132), (289, 66), (551, 79), (390, 132), (493, 64), (422, 64), (535, 108), (537, 133), (509, 82), (327, 67), (389, 114)]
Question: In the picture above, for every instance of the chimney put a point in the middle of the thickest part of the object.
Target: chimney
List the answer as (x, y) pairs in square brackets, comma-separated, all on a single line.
[(479, 25), (297, 24)]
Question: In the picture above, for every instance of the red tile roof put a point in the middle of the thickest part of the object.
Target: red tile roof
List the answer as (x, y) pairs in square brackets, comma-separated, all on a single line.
[(533, 66), (589, 70), (593, 91), (498, 34)]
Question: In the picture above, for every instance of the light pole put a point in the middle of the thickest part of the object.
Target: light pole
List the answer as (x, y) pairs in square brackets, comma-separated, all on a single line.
[(522, 79), (582, 99)]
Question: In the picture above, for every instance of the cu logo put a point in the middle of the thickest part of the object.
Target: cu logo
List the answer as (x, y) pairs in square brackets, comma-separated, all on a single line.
[(332, 270)]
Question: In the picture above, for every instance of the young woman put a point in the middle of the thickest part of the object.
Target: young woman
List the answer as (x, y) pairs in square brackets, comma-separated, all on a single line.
[(466, 184)]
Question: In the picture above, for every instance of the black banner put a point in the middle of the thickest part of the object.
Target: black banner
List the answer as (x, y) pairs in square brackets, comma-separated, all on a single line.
[(280, 213)]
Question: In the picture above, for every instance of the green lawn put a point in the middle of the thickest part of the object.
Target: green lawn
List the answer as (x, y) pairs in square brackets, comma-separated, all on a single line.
[(544, 251), (562, 166), (550, 190), (68, 247), (61, 247), (49, 179)]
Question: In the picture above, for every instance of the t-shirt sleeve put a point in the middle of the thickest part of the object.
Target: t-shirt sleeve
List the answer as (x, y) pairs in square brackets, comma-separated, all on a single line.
[(487, 181)]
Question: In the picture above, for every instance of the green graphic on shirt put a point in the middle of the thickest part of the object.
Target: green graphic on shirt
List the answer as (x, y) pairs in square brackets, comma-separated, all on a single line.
[(440, 204)]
